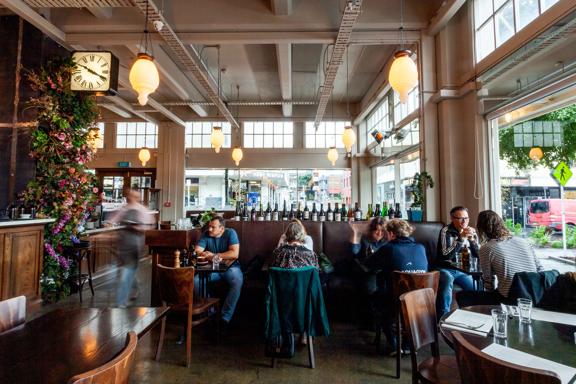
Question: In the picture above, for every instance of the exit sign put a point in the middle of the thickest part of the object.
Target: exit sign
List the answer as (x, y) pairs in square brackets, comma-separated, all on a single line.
[(123, 164)]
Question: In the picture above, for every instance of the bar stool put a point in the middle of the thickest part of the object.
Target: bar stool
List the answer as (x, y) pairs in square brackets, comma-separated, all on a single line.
[(77, 253)]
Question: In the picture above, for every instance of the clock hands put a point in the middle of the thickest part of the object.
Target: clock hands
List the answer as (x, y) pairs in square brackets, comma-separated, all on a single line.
[(92, 71)]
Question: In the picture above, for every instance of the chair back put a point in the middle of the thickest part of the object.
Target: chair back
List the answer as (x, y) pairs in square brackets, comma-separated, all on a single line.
[(477, 367), (419, 317), (531, 285), (405, 281), (12, 313), (116, 371), (176, 285)]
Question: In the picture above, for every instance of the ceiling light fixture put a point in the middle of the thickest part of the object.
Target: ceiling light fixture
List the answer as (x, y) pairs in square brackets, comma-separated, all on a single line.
[(403, 75), (333, 155), (144, 77), (237, 153), (144, 155), (217, 138), (95, 138), (348, 136)]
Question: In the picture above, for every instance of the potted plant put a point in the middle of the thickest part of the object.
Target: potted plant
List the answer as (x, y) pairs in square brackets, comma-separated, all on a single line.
[(420, 182)]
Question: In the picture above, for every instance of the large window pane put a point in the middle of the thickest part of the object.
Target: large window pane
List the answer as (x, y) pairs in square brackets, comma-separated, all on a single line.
[(545, 4), (329, 134), (504, 24), (267, 134), (482, 11), (526, 11), (198, 134), (485, 40)]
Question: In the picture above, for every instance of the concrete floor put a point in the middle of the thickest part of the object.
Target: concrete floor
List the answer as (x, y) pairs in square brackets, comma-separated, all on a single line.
[(346, 356)]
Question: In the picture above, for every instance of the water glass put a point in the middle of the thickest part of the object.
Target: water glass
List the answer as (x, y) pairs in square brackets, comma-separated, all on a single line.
[(457, 258), (500, 319), (216, 259), (473, 264), (525, 310)]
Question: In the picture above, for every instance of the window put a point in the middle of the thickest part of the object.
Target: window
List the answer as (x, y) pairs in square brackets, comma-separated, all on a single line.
[(100, 141), (379, 120), (260, 134), (136, 135), (496, 21), (198, 133), (401, 110), (328, 134)]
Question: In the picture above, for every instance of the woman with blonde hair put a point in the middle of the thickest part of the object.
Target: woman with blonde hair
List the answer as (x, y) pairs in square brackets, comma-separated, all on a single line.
[(293, 253), (308, 242)]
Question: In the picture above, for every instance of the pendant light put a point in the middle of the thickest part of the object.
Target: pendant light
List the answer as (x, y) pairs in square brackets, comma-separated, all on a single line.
[(348, 136), (94, 138), (217, 138), (237, 153), (333, 155), (144, 155), (144, 77), (403, 75), (536, 154)]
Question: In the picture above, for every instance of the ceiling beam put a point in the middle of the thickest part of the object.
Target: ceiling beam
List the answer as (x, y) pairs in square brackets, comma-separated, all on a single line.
[(444, 15), (78, 3), (101, 12), (284, 58), (351, 13), (189, 58), (126, 105), (116, 109), (282, 7)]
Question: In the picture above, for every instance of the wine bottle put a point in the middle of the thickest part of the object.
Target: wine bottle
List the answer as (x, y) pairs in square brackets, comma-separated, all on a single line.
[(261, 213), (285, 212), (253, 213), (299, 212), (384, 209), (352, 214), (314, 216), (397, 211), (337, 213), (268, 213), (391, 212), (238, 213), (292, 213), (358, 212), (275, 212), (245, 216), (369, 214), (306, 214), (343, 213), (377, 211), (329, 213), (322, 214)]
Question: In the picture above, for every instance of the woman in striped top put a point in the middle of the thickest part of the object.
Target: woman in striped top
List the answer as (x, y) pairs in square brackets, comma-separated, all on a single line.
[(501, 257)]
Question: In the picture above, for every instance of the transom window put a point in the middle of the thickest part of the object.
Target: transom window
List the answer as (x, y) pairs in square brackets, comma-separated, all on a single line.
[(328, 134), (378, 120), (198, 133), (136, 135), (496, 21), (268, 134), (100, 142), (401, 110)]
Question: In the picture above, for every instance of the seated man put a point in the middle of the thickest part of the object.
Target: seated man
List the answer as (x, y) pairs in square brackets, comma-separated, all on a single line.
[(364, 246), (452, 240), (221, 241)]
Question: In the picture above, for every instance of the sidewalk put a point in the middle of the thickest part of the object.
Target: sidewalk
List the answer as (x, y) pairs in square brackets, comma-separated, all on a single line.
[(544, 254)]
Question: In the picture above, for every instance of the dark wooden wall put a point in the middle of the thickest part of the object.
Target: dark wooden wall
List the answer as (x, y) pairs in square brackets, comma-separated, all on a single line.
[(36, 49)]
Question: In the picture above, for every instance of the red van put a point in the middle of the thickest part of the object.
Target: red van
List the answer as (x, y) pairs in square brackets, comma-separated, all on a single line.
[(547, 212)]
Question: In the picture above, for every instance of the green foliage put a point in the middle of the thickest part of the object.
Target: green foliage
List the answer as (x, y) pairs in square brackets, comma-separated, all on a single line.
[(62, 189), (540, 236), (518, 158), (420, 182), (516, 229), (556, 244)]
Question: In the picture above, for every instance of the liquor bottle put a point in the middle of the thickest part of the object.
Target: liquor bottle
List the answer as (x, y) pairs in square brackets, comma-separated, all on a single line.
[(306, 213), (275, 212), (238, 213), (299, 212), (292, 213), (245, 216), (391, 212), (397, 211), (377, 211), (329, 213), (369, 214), (285, 212), (261, 213), (184, 260), (351, 214), (268, 213), (314, 215), (322, 214), (253, 213), (358, 212), (337, 213), (384, 209), (343, 213)]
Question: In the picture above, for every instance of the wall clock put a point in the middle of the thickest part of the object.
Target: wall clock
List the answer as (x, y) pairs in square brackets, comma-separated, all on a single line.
[(96, 71)]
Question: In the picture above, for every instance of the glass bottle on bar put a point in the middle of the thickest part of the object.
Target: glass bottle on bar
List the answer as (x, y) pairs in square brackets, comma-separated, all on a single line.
[(343, 213), (384, 209), (314, 213), (284, 212), (397, 211), (245, 216), (377, 211), (299, 212), (358, 212), (268, 213), (337, 213), (261, 213), (306, 213), (322, 214), (391, 212), (329, 213), (238, 212), (369, 214), (275, 213), (292, 213), (253, 216)]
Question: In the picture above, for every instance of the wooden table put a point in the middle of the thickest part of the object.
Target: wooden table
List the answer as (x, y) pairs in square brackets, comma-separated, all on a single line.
[(550, 341), (475, 273), (54, 347), (204, 272)]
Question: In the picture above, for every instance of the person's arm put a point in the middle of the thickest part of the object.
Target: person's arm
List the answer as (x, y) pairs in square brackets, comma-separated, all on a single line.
[(355, 240), (233, 247), (486, 266), (201, 246), (449, 246)]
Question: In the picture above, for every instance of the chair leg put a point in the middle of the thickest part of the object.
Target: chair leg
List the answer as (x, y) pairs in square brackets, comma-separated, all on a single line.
[(189, 340), (88, 258), (311, 352), (161, 340), (218, 322), (398, 345)]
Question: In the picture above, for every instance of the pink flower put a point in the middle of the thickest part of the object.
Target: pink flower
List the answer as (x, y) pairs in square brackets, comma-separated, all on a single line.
[(71, 170), (61, 136), (95, 190)]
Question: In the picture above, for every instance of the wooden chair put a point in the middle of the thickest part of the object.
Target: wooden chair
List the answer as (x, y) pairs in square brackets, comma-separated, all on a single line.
[(12, 313), (116, 371), (477, 367), (405, 282), (419, 318), (177, 290)]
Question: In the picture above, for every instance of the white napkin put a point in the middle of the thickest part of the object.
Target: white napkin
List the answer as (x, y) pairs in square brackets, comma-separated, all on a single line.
[(515, 356), (470, 322)]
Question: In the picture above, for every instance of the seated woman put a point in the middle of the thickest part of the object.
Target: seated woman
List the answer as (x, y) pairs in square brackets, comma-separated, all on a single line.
[(308, 242), (501, 256), (293, 253), (400, 253), (363, 245)]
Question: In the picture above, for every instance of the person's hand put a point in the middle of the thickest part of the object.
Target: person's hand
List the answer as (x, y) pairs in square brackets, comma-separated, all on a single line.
[(469, 233), (209, 255)]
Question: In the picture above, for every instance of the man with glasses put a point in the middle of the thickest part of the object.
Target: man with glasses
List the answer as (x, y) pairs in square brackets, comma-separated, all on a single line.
[(452, 240)]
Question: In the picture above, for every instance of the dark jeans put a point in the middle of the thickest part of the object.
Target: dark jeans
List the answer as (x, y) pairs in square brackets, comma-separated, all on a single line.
[(449, 277)]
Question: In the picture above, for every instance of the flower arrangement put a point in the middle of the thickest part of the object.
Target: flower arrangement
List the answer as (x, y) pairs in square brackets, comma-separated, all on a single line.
[(62, 189)]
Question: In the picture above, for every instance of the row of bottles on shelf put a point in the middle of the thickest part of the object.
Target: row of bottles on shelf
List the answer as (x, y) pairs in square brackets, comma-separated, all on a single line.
[(391, 212), (337, 214)]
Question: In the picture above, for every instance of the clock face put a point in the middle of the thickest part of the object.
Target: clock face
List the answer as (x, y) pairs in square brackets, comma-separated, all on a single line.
[(93, 71)]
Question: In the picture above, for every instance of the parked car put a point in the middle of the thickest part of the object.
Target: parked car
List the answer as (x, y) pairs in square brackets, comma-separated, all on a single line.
[(548, 212)]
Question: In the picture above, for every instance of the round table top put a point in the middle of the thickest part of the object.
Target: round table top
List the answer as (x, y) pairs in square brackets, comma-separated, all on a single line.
[(547, 340)]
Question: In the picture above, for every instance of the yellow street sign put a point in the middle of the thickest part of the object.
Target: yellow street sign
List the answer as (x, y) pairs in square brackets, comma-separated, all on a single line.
[(562, 173)]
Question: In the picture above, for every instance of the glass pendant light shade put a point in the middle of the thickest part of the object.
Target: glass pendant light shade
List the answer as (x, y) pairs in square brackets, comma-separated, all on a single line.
[(144, 155), (349, 138), (94, 139), (217, 138), (403, 75), (144, 77), (333, 155), (237, 155), (536, 153)]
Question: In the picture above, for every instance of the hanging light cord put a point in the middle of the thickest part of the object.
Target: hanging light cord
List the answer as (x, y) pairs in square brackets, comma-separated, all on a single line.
[(402, 23), (145, 41), (347, 92)]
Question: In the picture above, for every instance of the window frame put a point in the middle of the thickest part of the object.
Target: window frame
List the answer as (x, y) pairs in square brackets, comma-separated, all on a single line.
[(254, 132), (203, 136), (134, 127), (321, 133)]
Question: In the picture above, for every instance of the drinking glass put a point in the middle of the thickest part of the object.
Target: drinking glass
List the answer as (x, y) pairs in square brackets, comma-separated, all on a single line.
[(525, 310), (457, 258), (526, 333), (473, 264), (216, 261), (500, 319)]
